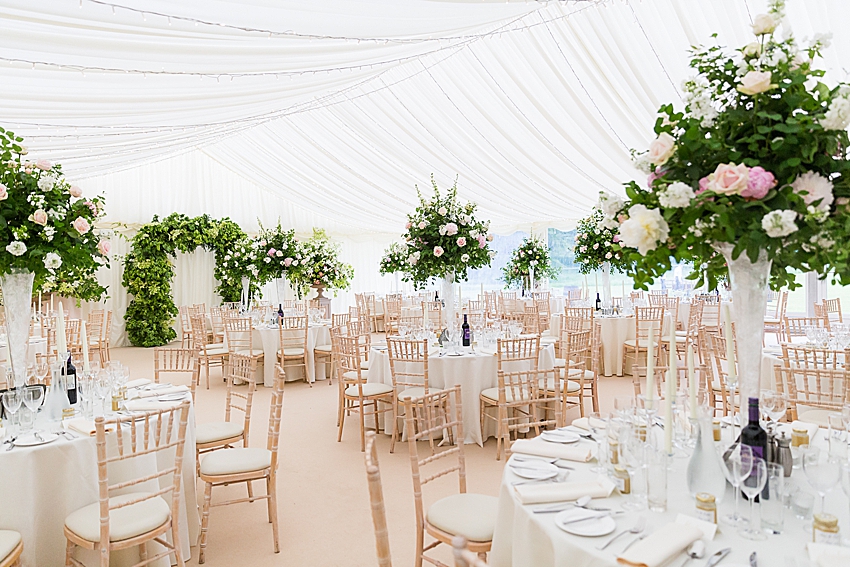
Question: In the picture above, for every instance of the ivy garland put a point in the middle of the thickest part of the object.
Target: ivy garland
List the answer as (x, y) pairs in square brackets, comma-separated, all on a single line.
[(148, 270)]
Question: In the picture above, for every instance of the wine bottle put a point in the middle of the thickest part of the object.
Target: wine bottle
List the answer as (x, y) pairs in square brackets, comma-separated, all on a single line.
[(598, 302), (71, 381), (280, 310), (755, 437), (466, 333)]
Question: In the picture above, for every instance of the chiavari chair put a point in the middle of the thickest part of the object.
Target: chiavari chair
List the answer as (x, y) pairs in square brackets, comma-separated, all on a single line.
[(476, 305), (833, 310), (577, 380), (578, 318), (719, 374), (181, 361), (324, 308), (435, 315), (127, 513), (240, 340), (522, 392), (94, 333), (185, 327), (106, 338), (636, 296), (646, 318), (392, 313), (209, 354), (795, 327), (376, 499), (813, 393), (359, 395), (246, 464), (531, 323), (217, 317), (463, 556), (12, 546), (293, 344), (575, 294), (472, 516), (773, 321)]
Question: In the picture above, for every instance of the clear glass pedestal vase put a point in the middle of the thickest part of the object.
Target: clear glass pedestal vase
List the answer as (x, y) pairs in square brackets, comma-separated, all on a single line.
[(607, 300), (17, 300), (448, 296)]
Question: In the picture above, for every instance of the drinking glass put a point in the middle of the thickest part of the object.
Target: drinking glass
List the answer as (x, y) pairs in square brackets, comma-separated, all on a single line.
[(780, 406), (656, 479), (771, 509), (752, 487), (102, 389), (12, 402), (33, 398), (632, 457), (822, 474), (598, 425), (837, 436), (737, 466)]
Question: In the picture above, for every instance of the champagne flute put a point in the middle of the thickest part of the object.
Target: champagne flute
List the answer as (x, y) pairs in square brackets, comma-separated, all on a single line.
[(737, 466), (752, 487)]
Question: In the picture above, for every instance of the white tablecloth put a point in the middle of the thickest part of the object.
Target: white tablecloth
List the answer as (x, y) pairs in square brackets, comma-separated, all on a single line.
[(474, 373), (36, 345), (525, 539), (268, 339), (40, 486)]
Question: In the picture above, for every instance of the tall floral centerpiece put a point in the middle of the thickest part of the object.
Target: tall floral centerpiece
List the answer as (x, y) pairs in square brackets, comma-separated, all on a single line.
[(445, 241), (529, 263), (317, 265), (753, 175), (278, 249), (597, 245), (394, 261), (45, 231)]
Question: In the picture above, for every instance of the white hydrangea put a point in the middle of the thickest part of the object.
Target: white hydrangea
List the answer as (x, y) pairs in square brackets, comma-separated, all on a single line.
[(641, 162), (609, 203), (778, 224), (16, 248), (698, 100), (46, 182), (676, 195), (837, 116), (609, 222), (52, 261)]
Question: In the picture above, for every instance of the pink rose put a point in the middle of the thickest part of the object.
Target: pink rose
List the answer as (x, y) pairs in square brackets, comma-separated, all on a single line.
[(4, 192), (43, 165), (75, 191), (729, 179), (271, 251), (703, 185), (616, 238), (92, 207), (661, 149), (451, 229), (39, 217), (104, 247), (758, 183), (657, 174), (407, 225), (482, 241), (438, 251), (422, 225), (461, 242), (81, 225), (287, 262)]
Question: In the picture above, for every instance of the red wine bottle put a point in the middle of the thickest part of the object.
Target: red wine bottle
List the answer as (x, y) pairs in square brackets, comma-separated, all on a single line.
[(466, 333), (756, 438), (71, 381)]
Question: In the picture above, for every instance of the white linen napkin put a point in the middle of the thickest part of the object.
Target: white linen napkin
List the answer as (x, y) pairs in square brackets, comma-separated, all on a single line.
[(163, 391), (581, 423), (563, 491), (82, 425), (138, 382), (823, 555), (149, 405), (541, 448), (811, 428), (659, 547)]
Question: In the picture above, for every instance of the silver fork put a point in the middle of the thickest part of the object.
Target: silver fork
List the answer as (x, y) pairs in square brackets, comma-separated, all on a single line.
[(634, 541), (636, 529)]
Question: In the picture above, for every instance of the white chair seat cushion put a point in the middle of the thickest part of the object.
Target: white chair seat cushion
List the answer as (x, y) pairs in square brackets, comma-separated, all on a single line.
[(216, 345), (235, 461), (416, 392), (560, 362), (252, 352), (549, 386), (679, 339), (9, 540), (369, 389), (292, 352), (493, 394), (216, 351), (472, 516), (350, 376), (816, 416), (548, 340), (324, 349), (577, 372), (124, 523), (216, 431), (364, 365)]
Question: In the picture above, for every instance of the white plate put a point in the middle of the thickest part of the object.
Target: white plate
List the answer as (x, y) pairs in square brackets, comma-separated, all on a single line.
[(30, 440), (533, 469), (588, 528), (558, 436)]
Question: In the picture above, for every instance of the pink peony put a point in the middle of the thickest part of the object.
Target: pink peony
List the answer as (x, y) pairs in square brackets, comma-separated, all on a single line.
[(729, 179), (104, 247), (81, 225), (39, 217), (438, 251), (758, 183), (75, 191), (616, 238), (461, 242), (4, 192), (43, 165), (287, 262), (272, 251)]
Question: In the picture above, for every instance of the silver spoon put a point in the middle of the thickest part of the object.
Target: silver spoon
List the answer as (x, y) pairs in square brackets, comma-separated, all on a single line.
[(695, 551), (580, 503), (636, 529)]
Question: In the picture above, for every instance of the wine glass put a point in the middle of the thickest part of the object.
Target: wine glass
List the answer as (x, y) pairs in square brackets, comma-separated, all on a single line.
[(632, 457), (737, 465), (752, 487), (12, 403), (33, 397), (767, 403), (822, 474), (598, 425)]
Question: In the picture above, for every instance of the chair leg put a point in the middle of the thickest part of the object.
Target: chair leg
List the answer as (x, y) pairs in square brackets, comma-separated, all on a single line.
[(143, 551), (272, 491), (250, 490), (205, 523), (69, 553), (420, 543), (175, 539), (363, 426), (395, 424), (341, 422)]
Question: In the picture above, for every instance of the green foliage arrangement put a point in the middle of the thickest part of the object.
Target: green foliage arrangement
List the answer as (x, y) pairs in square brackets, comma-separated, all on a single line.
[(394, 259), (597, 243), (756, 162), (532, 253), (278, 249), (444, 238), (317, 263), (46, 225)]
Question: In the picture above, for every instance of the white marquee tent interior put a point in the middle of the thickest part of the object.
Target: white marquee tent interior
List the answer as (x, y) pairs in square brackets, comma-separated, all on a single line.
[(326, 114)]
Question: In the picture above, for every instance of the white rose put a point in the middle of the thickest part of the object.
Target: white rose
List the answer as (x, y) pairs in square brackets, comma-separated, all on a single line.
[(752, 49), (644, 229), (813, 186), (676, 195), (837, 117), (52, 261), (278, 253), (464, 258), (779, 223), (755, 82), (661, 149), (764, 24), (16, 248), (442, 211)]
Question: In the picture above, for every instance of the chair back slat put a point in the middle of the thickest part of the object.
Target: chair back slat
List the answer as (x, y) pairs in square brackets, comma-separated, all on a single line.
[(408, 363), (376, 499)]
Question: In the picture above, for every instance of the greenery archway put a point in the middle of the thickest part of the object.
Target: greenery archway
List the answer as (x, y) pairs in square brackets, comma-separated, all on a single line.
[(149, 271)]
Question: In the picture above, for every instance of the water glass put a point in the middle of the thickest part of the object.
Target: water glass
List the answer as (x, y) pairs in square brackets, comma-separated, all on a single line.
[(12, 400), (771, 508), (802, 504), (822, 474), (656, 479)]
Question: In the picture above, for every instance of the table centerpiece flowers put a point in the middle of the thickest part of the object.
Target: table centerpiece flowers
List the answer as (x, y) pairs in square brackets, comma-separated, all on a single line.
[(529, 264), (444, 241), (751, 178), (46, 232), (597, 247), (317, 264)]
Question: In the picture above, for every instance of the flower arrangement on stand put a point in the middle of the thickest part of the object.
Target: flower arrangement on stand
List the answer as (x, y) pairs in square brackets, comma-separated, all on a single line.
[(597, 241), (317, 265), (394, 259), (530, 262), (277, 250), (45, 233), (752, 177)]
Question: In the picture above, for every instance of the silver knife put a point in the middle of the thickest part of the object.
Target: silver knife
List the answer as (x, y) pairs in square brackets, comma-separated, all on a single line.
[(718, 557), (754, 562)]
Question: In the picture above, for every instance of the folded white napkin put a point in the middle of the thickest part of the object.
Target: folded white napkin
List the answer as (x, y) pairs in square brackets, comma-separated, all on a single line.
[(537, 446), (787, 428), (163, 391), (82, 425), (581, 423), (563, 491), (148, 405), (659, 547), (138, 382), (823, 555)]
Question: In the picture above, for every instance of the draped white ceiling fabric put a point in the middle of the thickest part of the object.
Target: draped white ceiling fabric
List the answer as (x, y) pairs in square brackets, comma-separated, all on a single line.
[(326, 113)]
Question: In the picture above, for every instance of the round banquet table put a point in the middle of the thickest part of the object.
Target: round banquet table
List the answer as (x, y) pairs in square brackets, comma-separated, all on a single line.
[(268, 338), (40, 486), (474, 372), (525, 539), (36, 345)]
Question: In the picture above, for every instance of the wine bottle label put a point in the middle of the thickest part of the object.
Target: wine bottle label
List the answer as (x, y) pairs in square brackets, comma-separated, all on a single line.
[(71, 381)]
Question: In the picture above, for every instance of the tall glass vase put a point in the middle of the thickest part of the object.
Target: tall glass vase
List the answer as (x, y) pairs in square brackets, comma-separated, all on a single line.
[(17, 299), (606, 283), (749, 282), (448, 295)]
